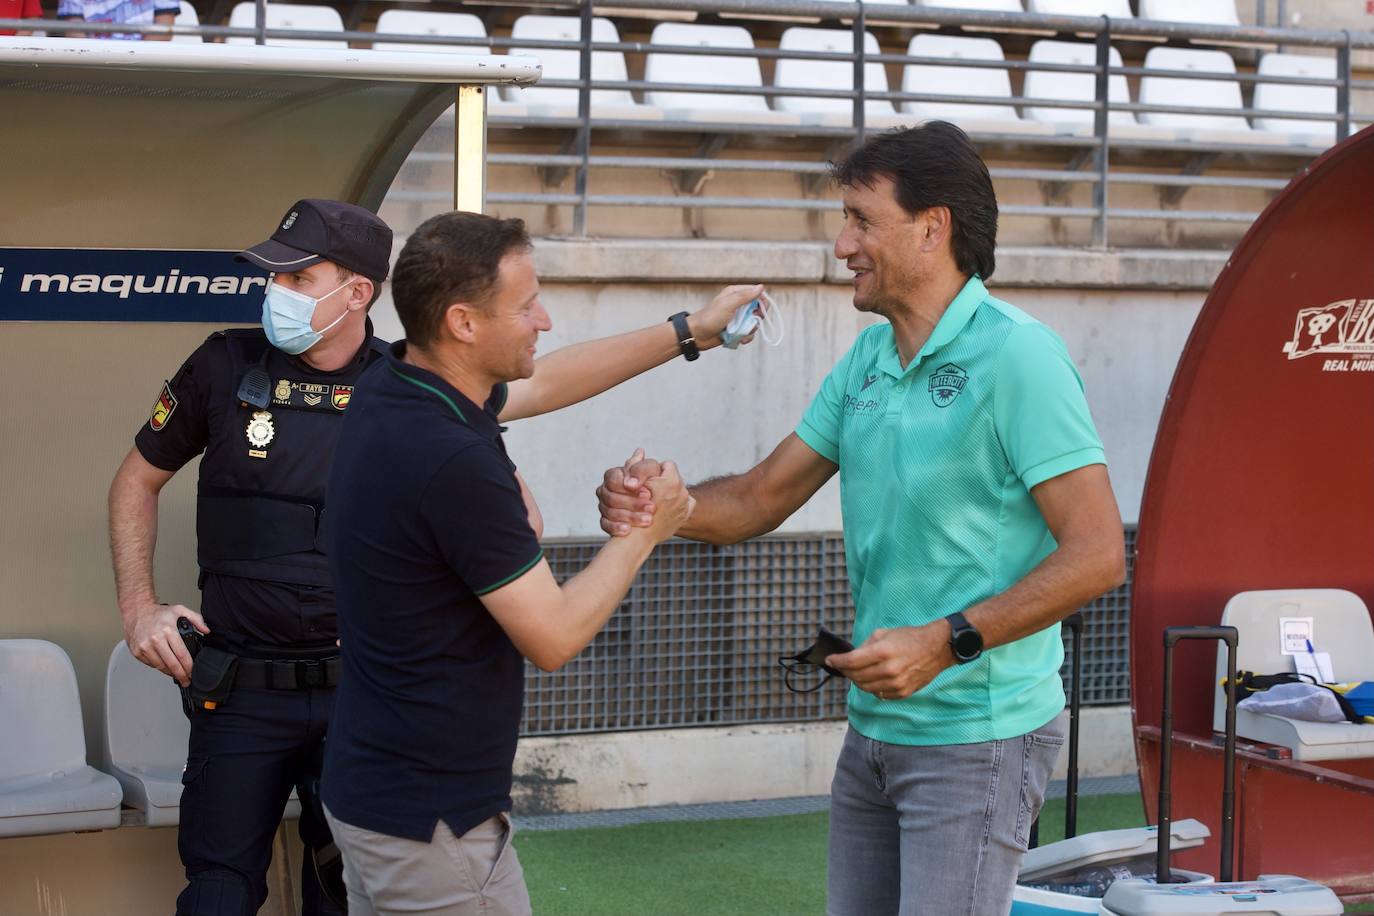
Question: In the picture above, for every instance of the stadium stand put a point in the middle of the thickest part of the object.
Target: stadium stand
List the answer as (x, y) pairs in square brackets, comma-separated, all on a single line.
[(994, 117), (607, 66), (1222, 95), (1288, 97), (1198, 12), (295, 16), (45, 784), (1061, 86), (792, 73), (424, 22), (720, 71)]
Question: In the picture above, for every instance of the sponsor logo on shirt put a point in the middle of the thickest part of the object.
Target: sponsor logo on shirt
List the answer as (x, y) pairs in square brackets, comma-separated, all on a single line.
[(868, 380), (946, 383), (1343, 329)]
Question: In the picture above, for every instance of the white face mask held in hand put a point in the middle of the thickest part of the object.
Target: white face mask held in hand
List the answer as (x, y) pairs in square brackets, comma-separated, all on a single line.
[(286, 318), (747, 319)]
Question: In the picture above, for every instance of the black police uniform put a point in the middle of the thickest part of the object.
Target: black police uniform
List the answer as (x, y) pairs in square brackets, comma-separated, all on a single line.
[(266, 594)]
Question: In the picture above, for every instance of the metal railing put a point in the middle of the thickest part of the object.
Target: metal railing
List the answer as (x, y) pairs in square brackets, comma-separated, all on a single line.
[(1092, 151)]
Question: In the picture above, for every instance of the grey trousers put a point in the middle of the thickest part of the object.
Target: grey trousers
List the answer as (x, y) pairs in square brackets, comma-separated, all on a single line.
[(934, 830), (477, 873)]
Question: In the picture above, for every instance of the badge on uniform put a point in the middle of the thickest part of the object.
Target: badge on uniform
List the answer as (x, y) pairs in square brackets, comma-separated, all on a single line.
[(163, 408), (342, 395), (260, 433)]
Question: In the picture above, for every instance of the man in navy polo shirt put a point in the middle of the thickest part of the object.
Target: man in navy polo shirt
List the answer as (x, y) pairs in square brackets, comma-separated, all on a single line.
[(977, 514), (443, 588)]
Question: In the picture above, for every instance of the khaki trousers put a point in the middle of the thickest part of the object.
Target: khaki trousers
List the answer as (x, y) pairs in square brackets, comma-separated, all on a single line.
[(477, 874)]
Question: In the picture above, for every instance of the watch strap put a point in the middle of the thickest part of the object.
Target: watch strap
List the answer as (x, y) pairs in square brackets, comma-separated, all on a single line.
[(685, 341)]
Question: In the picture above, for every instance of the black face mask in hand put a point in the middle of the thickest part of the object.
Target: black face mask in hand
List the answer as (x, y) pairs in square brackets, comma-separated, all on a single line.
[(810, 660)]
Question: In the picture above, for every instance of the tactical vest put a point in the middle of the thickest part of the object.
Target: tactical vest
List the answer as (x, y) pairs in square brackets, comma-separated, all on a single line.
[(261, 495)]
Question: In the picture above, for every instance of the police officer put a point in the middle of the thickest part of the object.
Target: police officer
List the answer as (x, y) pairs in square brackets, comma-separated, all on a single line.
[(265, 406)]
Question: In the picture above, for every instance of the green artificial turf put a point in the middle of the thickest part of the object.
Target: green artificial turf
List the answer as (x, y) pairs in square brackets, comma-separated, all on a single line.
[(769, 866)]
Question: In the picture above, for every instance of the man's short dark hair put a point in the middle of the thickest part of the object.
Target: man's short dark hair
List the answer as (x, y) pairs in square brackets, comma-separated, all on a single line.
[(452, 257), (934, 165)]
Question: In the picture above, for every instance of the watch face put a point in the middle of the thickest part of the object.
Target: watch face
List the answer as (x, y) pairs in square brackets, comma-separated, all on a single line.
[(967, 644)]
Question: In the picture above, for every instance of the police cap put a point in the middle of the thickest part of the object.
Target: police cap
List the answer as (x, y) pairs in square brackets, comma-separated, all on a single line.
[(326, 230)]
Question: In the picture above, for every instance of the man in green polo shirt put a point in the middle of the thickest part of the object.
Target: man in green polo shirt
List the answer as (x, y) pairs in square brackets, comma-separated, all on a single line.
[(977, 514)]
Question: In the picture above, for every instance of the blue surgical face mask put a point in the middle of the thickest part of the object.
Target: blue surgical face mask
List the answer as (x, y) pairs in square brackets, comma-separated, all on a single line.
[(286, 318)]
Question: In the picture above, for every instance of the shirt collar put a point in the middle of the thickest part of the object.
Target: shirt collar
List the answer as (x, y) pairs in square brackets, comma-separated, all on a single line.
[(430, 384), (358, 358), (954, 320)]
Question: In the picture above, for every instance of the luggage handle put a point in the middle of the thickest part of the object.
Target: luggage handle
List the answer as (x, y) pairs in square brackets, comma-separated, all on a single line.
[(1172, 636)]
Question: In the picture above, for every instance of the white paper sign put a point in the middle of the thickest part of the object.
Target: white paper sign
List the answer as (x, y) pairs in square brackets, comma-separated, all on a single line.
[(1317, 665), (1294, 635)]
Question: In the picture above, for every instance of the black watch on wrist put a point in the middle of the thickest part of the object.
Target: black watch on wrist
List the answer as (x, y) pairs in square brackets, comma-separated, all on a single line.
[(964, 639), (685, 341)]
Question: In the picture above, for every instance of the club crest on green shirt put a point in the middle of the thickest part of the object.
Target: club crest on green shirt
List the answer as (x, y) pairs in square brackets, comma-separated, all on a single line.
[(946, 383)]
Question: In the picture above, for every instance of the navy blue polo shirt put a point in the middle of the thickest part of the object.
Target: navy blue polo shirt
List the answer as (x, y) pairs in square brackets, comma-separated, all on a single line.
[(425, 516)]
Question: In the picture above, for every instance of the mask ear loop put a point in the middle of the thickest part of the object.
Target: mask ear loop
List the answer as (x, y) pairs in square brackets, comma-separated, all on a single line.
[(772, 318), (342, 315), (788, 671)]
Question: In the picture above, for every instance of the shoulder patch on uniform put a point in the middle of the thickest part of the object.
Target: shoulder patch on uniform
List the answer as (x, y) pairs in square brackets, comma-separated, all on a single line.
[(163, 409)]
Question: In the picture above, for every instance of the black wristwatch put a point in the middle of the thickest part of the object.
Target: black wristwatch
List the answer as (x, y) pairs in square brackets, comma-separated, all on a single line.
[(685, 341), (964, 639)]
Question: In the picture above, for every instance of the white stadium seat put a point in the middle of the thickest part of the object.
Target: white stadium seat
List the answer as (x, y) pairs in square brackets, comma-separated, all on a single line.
[(145, 738), (1340, 627), (996, 116), (1309, 99), (423, 22), (1201, 12), (1080, 87), (607, 66), (708, 70), (998, 6), (45, 783), (1117, 9), (792, 73), (187, 16), (1222, 95), (289, 16)]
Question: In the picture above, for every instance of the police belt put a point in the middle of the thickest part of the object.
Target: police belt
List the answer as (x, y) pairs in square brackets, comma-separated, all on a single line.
[(288, 673)]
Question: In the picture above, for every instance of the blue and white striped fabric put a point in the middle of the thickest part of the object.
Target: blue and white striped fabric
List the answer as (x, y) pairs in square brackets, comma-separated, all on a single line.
[(134, 11)]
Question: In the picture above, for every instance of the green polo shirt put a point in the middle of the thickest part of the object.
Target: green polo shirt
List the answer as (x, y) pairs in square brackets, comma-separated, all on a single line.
[(937, 461)]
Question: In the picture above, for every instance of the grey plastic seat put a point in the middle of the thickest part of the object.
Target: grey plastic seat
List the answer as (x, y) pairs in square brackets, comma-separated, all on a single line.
[(1287, 97), (424, 22), (792, 73), (996, 116), (1340, 626), (145, 738), (46, 785), (306, 18), (708, 70), (1060, 86), (607, 66)]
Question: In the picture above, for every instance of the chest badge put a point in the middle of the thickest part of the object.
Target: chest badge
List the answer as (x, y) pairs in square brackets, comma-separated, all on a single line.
[(283, 390), (946, 383), (260, 433), (342, 395)]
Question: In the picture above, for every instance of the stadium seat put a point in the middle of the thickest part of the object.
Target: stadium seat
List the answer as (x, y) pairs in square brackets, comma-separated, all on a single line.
[(1340, 626), (1080, 87), (823, 74), (1117, 9), (708, 70), (997, 6), (1287, 97), (996, 117), (45, 783), (1223, 95), (1199, 12), (187, 16), (422, 22), (289, 16), (607, 66), (145, 738)]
